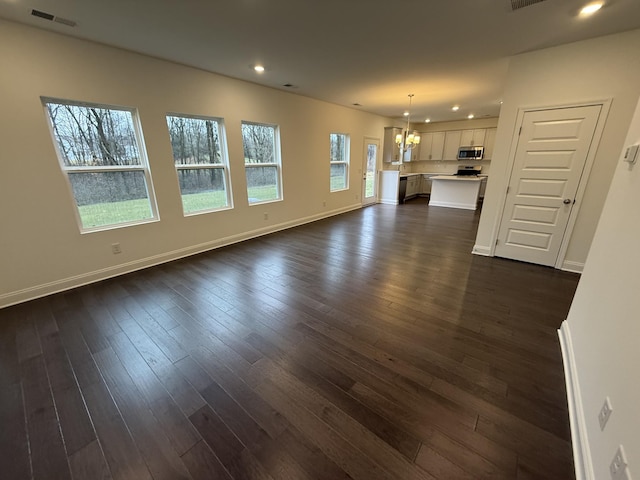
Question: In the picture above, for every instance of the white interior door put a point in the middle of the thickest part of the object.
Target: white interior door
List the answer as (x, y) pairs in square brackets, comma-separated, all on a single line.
[(370, 170), (550, 157)]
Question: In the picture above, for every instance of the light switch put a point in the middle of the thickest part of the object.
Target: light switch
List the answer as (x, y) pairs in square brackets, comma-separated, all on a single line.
[(631, 154)]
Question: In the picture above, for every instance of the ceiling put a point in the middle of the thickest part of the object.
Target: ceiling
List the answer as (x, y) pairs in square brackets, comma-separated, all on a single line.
[(369, 52)]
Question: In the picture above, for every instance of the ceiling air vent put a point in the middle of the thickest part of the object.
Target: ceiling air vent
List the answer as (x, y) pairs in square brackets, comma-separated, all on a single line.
[(518, 4), (53, 18), (65, 21), (46, 16)]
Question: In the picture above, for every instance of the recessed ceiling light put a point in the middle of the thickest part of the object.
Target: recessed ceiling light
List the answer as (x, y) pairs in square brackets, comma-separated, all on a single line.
[(455, 108), (470, 116), (259, 68), (591, 8), (427, 120), (406, 114)]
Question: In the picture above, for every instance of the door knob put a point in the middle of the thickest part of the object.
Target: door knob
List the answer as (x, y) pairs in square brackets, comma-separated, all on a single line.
[(566, 201)]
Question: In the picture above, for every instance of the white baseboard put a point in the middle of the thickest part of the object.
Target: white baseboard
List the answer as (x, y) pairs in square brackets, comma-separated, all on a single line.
[(580, 443), (569, 266), (56, 286), (386, 201), (464, 206), (481, 250)]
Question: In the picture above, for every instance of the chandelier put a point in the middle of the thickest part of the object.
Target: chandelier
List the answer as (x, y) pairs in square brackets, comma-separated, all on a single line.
[(408, 138)]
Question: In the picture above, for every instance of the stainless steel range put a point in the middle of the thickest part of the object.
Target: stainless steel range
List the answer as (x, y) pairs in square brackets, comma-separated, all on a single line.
[(469, 170)]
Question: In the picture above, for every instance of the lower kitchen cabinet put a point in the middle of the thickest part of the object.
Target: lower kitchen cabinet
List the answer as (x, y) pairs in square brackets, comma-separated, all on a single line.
[(412, 186), (425, 184)]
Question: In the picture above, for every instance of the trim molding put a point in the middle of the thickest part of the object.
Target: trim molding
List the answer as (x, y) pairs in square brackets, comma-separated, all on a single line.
[(569, 266), (384, 201), (42, 290), (481, 250), (465, 206), (580, 441)]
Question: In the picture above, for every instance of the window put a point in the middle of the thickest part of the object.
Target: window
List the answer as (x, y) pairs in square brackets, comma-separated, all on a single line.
[(200, 157), (261, 162), (99, 149), (339, 156)]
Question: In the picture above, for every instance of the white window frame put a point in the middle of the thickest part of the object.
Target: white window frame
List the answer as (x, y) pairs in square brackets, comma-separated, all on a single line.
[(143, 167), (345, 162), (224, 165), (277, 164)]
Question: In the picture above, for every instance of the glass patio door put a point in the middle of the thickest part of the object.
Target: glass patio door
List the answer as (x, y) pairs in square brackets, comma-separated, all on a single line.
[(370, 169)]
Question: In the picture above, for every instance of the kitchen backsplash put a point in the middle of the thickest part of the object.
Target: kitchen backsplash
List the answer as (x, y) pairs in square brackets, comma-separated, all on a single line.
[(445, 167)]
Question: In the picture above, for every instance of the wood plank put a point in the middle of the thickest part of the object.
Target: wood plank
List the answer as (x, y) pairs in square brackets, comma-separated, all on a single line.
[(220, 370), (441, 467), (150, 437), (334, 386), (267, 417), (89, 463), (177, 427), (73, 416), (203, 464), (187, 399), (309, 456), (49, 458), (460, 455), (378, 450), (334, 446), (119, 448), (14, 446), (27, 340)]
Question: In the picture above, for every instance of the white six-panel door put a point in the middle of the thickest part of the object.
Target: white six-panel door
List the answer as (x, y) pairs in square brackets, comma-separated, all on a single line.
[(550, 157)]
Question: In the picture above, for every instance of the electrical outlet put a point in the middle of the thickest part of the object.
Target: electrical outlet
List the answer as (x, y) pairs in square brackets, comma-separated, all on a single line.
[(324, 203), (619, 468), (266, 216), (115, 248), (605, 413)]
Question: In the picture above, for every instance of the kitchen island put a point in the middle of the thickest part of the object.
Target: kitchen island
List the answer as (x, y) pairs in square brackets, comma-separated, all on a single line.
[(391, 181), (455, 191)]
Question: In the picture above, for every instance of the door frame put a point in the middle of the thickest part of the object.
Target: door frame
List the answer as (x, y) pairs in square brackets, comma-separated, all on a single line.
[(582, 184), (376, 183)]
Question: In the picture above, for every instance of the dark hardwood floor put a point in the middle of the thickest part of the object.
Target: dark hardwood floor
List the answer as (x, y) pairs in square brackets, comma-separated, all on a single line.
[(371, 345)]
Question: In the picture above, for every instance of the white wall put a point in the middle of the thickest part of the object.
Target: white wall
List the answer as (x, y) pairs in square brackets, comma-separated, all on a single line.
[(604, 321), (598, 69), (41, 249)]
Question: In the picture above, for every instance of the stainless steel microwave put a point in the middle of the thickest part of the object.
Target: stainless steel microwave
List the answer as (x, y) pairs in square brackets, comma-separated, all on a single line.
[(470, 153)]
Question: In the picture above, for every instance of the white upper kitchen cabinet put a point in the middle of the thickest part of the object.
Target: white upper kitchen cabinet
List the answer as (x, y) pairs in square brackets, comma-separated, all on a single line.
[(431, 146), (451, 144), (473, 138), (390, 151), (489, 141)]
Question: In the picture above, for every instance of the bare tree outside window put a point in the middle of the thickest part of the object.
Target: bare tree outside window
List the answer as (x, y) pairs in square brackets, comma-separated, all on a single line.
[(261, 161), (99, 151), (200, 158), (339, 158)]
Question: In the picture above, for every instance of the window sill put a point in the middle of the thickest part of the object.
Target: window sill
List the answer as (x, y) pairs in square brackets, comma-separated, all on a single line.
[(115, 226), (204, 212), (262, 202)]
